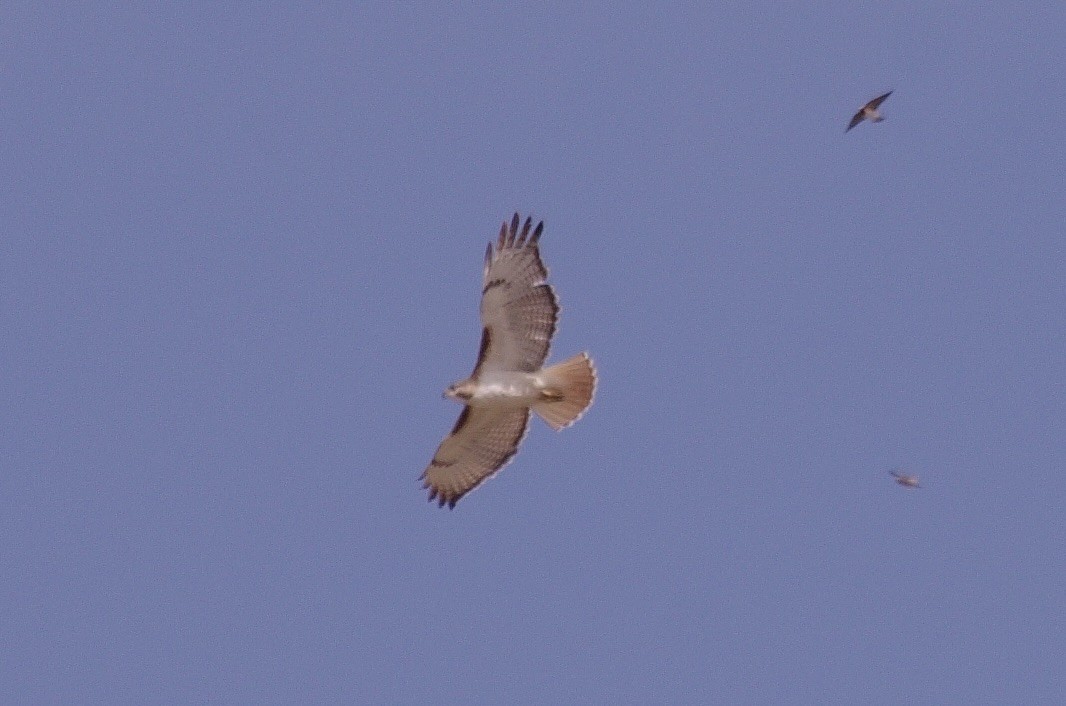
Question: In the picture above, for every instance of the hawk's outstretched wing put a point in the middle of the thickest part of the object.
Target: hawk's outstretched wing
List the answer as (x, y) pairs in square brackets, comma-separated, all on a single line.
[(518, 308), (482, 442)]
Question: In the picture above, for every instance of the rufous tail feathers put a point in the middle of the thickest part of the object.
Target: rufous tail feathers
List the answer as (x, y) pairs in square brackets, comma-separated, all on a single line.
[(568, 392)]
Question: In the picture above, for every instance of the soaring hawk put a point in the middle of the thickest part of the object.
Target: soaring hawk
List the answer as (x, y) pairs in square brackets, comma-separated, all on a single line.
[(518, 312)]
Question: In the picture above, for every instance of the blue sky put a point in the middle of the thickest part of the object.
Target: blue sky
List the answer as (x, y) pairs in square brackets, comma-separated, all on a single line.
[(240, 261)]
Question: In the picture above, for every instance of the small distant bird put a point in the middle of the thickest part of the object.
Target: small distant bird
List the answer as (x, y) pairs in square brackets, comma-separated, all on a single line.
[(907, 481), (519, 310), (869, 112)]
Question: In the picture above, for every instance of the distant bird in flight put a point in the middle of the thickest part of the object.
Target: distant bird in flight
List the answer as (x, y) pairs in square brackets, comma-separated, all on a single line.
[(869, 112), (519, 311), (907, 481)]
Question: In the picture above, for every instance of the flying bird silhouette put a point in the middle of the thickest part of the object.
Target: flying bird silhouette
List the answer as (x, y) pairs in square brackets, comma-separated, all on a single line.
[(869, 112), (519, 311), (907, 481)]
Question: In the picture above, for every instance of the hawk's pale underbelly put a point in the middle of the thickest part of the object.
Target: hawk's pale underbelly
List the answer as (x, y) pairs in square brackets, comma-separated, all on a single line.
[(507, 390)]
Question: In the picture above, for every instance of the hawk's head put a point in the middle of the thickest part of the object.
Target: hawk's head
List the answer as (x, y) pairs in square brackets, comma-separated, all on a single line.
[(461, 391)]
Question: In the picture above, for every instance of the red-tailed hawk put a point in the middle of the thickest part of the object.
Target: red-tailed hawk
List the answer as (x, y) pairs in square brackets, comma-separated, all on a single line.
[(869, 112), (907, 481), (518, 312)]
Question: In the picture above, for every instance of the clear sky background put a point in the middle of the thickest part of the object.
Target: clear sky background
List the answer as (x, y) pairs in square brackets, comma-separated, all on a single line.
[(240, 260)]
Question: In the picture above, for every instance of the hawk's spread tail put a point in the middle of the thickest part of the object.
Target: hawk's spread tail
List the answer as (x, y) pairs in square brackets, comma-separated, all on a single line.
[(569, 387)]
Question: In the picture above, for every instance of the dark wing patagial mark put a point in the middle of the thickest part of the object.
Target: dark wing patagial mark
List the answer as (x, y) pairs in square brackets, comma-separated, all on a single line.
[(486, 341), (461, 420), (488, 258)]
